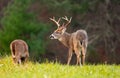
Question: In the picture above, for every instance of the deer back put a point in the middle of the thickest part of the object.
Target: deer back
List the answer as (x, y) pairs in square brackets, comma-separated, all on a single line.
[(19, 47)]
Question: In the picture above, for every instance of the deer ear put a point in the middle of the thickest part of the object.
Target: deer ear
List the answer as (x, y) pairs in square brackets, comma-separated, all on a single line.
[(64, 29)]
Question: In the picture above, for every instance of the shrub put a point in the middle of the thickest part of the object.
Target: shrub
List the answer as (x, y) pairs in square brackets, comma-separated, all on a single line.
[(19, 23)]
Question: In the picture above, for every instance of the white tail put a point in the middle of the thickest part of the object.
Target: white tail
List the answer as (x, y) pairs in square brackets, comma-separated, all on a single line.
[(76, 42), (19, 51)]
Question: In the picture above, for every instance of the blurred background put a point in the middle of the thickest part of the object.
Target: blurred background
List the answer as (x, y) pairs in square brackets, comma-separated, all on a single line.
[(29, 20)]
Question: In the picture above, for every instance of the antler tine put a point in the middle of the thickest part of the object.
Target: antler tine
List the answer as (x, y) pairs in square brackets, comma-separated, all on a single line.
[(65, 18), (57, 22), (68, 20)]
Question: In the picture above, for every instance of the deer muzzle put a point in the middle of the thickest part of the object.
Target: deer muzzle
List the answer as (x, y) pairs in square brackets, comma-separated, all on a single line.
[(51, 36)]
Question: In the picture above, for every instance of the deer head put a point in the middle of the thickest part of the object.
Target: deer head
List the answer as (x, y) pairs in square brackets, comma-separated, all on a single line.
[(61, 28)]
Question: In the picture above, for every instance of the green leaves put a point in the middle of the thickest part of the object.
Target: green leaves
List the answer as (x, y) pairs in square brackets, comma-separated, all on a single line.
[(19, 23)]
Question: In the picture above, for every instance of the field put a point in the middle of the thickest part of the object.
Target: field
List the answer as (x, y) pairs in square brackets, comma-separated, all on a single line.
[(55, 70)]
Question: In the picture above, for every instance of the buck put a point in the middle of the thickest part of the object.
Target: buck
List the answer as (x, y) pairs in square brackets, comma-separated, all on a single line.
[(76, 42), (19, 51)]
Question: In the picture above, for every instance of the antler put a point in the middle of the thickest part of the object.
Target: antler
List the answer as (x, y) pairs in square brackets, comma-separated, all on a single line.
[(68, 20), (57, 22)]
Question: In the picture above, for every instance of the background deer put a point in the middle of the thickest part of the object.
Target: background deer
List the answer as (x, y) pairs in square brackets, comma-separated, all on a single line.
[(19, 51), (76, 42)]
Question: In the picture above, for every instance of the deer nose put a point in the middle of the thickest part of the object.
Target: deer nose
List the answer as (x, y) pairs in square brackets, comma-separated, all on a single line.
[(51, 36)]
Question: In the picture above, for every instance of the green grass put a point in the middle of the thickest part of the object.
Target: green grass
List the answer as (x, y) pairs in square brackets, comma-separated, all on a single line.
[(55, 70)]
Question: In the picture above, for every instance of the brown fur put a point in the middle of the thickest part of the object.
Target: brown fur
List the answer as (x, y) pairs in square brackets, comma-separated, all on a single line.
[(76, 42), (19, 51)]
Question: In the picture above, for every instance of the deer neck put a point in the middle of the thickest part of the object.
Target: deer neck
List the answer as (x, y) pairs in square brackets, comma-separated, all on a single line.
[(65, 39)]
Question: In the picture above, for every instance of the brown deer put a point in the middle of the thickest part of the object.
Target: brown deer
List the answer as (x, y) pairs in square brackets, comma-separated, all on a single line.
[(76, 42), (19, 51)]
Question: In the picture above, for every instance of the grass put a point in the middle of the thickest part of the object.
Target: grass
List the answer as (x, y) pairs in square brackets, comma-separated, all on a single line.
[(55, 70)]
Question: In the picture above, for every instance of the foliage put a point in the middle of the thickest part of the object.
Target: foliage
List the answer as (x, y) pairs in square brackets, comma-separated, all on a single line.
[(67, 6), (51, 70), (20, 23)]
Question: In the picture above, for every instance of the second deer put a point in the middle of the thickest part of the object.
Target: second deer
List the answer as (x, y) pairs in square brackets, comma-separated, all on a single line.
[(76, 42), (19, 51)]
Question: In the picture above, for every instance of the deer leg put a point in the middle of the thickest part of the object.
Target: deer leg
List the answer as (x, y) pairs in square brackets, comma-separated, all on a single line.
[(83, 59), (19, 61), (83, 55), (78, 60), (27, 56), (77, 50), (14, 59), (78, 57), (69, 56)]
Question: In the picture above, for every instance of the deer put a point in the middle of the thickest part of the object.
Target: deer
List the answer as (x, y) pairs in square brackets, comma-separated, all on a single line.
[(19, 51), (76, 42)]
